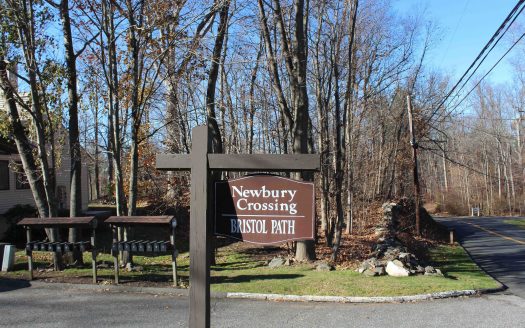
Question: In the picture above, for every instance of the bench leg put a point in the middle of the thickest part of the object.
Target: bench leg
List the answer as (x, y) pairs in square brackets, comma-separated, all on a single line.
[(29, 253), (94, 265), (30, 264), (93, 255), (115, 261), (115, 251), (174, 267), (174, 257)]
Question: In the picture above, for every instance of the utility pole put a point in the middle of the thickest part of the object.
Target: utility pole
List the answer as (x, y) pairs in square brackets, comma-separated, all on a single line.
[(413, 143), (520, 151)]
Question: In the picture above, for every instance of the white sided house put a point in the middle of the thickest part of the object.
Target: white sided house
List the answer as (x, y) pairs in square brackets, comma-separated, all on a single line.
[(14, 189)]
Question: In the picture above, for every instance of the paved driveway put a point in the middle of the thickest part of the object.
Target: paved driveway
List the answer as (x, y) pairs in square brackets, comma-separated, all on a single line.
[(497, 247)]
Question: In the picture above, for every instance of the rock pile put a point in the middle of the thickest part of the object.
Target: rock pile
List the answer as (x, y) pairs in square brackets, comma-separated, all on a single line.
[(388, 225), (389, 255), (392, 258)]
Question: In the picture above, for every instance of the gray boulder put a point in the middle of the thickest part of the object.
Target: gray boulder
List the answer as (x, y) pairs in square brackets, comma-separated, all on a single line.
[(370, 273), (371, 263), (323, 266), (431, 271), (380, 271), (276, 262), (363, 267)]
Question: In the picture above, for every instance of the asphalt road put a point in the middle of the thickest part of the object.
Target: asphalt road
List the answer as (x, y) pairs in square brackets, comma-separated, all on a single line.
[(497, 247), (51, 306)]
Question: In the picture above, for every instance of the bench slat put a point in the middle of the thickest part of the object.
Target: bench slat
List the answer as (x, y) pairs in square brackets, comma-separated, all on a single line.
[(138, 220), (58, 221)]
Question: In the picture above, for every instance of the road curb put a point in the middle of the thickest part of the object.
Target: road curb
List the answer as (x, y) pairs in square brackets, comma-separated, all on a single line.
[(360, 299), (172, 291)]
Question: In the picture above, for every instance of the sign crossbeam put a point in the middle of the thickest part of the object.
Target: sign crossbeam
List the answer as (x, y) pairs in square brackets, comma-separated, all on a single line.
[(243, 162), (200, 162)]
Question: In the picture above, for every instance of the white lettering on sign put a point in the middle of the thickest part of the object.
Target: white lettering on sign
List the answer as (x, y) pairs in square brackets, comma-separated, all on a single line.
[(265, 209), (280, 200), (246, 226), (264, 193), (283, 227)]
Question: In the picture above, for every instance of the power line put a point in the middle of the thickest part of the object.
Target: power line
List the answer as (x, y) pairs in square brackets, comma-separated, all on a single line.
[(490, 70), (465, 166), (489, 133), (455, 30), (487, 46), (489, 43), (491, 48), (489, 118), (472, 127)]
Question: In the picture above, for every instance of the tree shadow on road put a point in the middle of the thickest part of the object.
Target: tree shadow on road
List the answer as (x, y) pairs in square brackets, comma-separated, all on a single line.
[(7, 285), (255, 277)]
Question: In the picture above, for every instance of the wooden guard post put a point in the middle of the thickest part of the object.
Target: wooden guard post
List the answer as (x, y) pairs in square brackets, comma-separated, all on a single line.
[(60, 247), (200, 162), (143, 246)]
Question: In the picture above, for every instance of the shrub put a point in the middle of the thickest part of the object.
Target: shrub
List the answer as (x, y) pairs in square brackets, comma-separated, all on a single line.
[(14, 233), (453, 205)]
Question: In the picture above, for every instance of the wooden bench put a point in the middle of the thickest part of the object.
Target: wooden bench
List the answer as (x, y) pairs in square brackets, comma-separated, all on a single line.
[(143, 246), (87, 222)]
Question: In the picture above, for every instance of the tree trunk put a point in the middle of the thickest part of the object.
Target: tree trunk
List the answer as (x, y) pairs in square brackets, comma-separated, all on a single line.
[(338, 158), (75, 191), (349, 114), (136, 112), (23, 145), (116, 141), (252, 100), (213, 127), (97, 153), (295, 54), (305, 250), (27, 38)]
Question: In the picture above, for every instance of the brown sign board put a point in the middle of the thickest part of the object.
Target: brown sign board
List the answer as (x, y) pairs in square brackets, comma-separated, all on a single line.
[(264, 209)]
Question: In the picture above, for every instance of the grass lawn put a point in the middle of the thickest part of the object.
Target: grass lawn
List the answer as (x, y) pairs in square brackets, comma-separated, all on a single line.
[(238, 272), (517, 222), (236, 275), (154, 270)]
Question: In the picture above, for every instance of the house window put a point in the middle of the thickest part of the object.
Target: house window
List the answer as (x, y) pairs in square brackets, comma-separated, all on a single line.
[(20, 177), (62, 197), (4, 175)]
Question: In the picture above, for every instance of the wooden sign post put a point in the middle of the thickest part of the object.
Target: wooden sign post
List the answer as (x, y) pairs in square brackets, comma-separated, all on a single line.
[(200, 162)]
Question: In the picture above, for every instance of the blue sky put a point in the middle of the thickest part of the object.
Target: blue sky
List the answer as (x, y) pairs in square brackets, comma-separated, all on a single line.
[(465, 27)]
